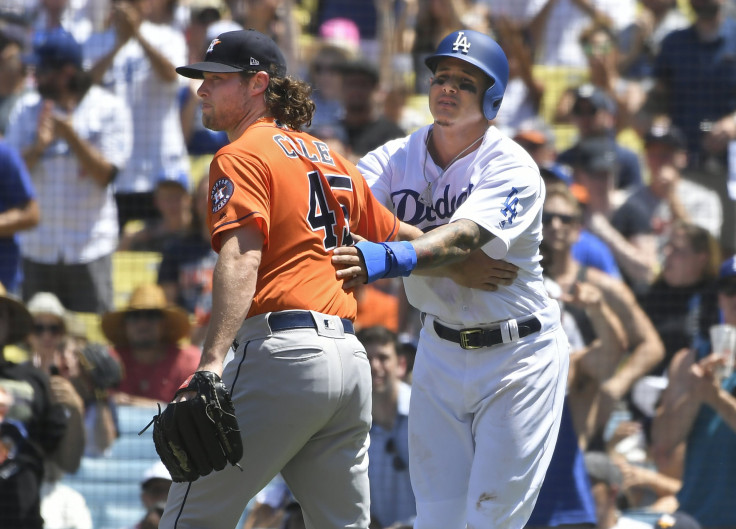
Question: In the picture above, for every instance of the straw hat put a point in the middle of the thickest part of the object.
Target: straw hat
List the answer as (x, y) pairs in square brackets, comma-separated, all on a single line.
[(21, 321), (176, 323)]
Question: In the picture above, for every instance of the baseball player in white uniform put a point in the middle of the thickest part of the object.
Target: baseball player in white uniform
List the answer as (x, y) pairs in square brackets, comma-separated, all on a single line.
[(489, 377)]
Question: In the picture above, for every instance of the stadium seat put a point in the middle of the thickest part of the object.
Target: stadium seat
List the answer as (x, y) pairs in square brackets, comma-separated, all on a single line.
[(91, 323), (556, 79), (131, 269)]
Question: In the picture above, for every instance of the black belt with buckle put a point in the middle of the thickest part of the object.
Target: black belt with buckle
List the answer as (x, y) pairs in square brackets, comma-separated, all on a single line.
[(477, 338), (283, 321)]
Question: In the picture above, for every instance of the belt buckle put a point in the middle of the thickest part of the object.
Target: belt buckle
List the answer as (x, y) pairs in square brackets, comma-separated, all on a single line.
[(465, 337)]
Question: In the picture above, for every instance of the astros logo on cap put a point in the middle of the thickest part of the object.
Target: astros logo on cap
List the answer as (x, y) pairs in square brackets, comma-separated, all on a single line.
[(214, 43)]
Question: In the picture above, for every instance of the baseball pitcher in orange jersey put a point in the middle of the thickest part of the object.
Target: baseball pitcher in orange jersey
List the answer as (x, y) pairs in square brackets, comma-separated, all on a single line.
[(280, 202)]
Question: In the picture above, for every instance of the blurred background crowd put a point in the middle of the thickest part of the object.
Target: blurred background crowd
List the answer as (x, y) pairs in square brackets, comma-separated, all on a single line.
[(628, 107)]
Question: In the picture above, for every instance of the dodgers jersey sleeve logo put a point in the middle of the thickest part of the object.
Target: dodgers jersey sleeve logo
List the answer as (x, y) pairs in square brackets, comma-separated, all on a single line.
[(221, 192), (509, 207)]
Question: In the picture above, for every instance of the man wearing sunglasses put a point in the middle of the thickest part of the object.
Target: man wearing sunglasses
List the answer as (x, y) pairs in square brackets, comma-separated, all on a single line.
[(594, 116)]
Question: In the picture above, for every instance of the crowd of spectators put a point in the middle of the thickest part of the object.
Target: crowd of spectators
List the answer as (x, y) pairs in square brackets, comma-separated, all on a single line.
[(628, 107)]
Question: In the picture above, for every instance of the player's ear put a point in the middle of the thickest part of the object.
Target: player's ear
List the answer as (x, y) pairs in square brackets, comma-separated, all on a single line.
[(259, 81)]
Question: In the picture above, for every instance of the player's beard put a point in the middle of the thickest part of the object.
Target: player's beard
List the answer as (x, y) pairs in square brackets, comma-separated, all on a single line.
[(209, 122)]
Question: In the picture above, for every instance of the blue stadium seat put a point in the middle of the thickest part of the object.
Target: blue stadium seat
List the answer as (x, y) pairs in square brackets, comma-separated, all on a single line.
[(132, 446), (101, 470), (132, 419), (112, 505)]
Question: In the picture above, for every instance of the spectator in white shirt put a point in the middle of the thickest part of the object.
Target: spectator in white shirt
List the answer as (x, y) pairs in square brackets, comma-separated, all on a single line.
[(135, 58), (74, 138)]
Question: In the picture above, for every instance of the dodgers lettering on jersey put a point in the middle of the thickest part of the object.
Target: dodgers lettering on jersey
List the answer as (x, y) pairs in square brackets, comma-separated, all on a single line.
[(306, 200), (498, 187), (411, 210)]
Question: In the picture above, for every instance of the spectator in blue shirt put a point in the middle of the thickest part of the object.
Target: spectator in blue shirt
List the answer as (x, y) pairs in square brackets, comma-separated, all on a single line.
[(18, 211)]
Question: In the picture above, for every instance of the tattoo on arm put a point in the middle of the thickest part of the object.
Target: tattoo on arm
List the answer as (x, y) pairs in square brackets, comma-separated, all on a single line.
[(449, 243)]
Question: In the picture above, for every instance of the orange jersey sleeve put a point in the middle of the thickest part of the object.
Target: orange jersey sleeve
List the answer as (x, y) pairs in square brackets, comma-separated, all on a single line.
[(306, 200)]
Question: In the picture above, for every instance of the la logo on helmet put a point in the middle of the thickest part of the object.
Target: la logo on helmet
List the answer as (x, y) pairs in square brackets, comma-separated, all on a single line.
[(461, 42)]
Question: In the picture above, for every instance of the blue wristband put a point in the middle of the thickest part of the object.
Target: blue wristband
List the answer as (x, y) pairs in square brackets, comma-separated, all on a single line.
[(387, 259)]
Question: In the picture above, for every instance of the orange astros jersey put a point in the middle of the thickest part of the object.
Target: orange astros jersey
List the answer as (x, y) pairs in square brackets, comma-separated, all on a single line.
[(299, 193)]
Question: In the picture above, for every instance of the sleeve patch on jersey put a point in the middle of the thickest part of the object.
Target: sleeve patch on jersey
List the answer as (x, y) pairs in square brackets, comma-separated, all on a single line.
[(509, 208), (221, 192)]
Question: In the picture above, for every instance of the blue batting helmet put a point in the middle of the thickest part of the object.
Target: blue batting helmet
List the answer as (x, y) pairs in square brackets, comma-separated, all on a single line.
[(483, 52)]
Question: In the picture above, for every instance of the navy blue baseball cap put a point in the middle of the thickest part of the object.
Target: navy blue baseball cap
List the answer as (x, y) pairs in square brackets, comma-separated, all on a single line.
[(727, 270), (244, 50), (54, 48), (665, 134), (595, 97)]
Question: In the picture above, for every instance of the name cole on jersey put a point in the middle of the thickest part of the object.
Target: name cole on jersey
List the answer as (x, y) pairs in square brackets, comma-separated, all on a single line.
[(321, 217)]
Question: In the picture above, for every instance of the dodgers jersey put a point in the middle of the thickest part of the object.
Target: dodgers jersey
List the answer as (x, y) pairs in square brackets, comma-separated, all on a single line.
[(498, 187)]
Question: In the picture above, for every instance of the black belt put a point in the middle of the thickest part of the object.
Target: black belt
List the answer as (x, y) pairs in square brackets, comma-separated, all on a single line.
[(477, 338), (282, 321)]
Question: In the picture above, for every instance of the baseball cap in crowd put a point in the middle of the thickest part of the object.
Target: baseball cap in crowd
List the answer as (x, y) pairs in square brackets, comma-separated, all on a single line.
[(14, 33), (665, 134), (48, 304), (360, 66), (534, 131), (727, 272), (596, 154), (677, 520), (156, 471), (222, 26), (245, 50), (555, 172), (330, 131), (341, 32), (591, 96), (54, 48), (180, 178), (601, 468)]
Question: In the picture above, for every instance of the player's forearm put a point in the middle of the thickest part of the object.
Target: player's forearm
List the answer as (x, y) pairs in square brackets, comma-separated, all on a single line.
[(233, 288), (448, 244), (407, 232)]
